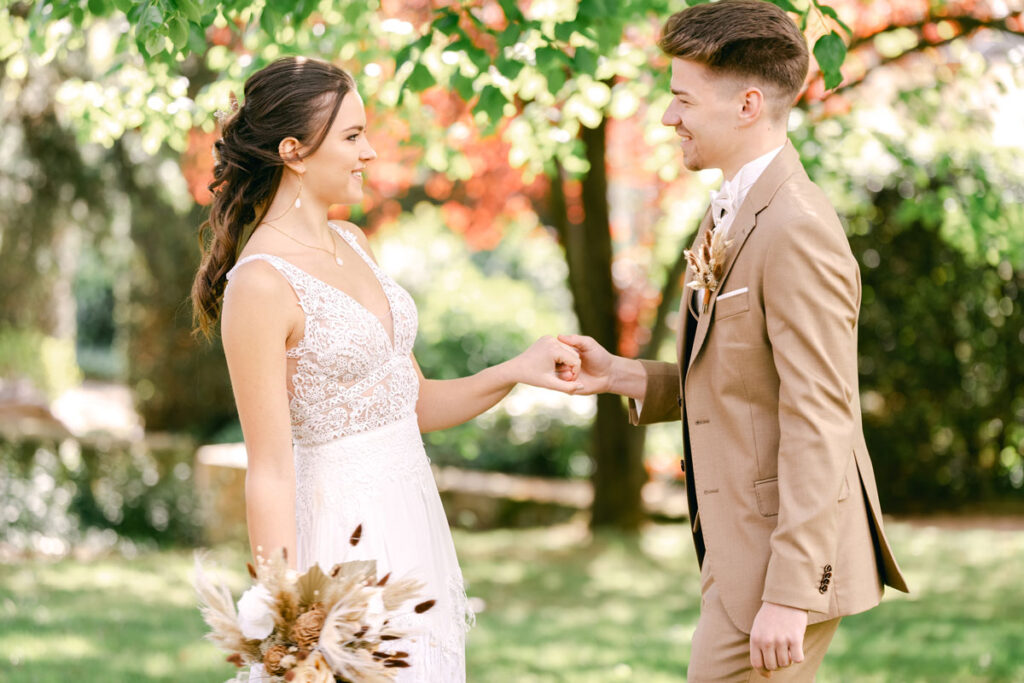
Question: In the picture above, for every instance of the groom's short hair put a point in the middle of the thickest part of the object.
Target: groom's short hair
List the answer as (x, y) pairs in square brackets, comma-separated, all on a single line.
[(747, 39)]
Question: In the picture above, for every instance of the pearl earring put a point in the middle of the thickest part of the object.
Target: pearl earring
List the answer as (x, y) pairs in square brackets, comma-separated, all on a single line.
[(298, 195)]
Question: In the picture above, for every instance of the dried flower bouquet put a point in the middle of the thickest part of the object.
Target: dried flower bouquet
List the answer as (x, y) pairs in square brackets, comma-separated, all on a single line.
[(314, 627)]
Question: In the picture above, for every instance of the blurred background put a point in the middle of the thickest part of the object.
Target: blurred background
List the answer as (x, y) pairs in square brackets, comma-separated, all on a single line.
[(524, 187)]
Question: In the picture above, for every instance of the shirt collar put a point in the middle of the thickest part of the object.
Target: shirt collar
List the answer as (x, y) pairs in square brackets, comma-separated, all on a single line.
[(748, 175)]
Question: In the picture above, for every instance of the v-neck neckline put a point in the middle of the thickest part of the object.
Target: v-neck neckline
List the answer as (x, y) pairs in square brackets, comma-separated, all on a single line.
[(378, 275)]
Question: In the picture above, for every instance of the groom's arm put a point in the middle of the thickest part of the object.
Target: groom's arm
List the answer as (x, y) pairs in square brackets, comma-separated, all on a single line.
[(812, 296), (661, 401), (651, 384)]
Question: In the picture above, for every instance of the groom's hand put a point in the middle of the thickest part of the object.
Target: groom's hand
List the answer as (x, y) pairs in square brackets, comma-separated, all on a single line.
[(777, 638), (595, 372)]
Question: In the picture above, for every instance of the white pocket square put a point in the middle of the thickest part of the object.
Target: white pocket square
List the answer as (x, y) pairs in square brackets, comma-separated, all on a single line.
[(735, 292)]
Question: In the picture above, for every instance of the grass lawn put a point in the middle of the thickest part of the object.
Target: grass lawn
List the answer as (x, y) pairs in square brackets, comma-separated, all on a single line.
[(558, 605)]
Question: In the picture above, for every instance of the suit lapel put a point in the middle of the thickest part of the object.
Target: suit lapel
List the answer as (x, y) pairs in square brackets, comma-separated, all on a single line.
[(760, 196)]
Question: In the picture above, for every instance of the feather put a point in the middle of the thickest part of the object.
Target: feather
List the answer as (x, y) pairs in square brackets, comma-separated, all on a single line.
[(218, 611)]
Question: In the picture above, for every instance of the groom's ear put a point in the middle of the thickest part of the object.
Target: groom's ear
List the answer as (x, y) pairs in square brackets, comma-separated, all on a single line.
[(752, 105)]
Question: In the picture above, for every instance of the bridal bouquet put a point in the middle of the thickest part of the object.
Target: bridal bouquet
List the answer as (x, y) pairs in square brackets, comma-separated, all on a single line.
[(314, 627)]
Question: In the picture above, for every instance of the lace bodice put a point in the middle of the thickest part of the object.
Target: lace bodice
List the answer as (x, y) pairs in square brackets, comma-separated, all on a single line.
[(349, 376)]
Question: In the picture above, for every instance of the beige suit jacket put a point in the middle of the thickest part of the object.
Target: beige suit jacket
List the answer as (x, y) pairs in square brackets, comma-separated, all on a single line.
[(786, 496)]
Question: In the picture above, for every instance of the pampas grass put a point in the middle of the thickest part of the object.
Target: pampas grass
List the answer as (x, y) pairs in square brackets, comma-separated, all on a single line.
[(362, 616)]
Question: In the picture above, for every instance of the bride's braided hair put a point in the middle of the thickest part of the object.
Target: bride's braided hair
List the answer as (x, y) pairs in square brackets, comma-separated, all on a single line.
[(293, 97)]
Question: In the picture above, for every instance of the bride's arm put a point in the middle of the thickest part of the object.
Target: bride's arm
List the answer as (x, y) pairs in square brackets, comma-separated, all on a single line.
[(445, 403), (254, 327)]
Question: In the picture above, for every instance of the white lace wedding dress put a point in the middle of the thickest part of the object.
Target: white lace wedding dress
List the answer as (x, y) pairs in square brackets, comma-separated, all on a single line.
[(359, 459)]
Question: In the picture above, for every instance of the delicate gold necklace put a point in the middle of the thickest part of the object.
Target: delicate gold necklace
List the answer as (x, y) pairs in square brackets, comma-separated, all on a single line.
[(334, 243)]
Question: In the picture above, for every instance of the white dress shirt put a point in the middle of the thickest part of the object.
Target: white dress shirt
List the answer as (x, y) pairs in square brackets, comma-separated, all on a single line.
[(732, 193)]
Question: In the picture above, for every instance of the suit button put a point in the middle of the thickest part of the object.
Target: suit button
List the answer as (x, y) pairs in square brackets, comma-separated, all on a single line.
[(828, 567), (827, 574), (679, 401), (823, 589)]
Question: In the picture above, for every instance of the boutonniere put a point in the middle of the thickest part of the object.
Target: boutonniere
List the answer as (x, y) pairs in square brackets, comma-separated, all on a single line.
[(706, 264)]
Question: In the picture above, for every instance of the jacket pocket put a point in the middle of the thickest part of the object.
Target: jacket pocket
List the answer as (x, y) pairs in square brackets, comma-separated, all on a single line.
[(729, 306), (767, 493)]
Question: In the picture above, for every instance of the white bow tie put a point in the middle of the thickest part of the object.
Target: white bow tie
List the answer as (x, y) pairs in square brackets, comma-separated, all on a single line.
[(722, 203)]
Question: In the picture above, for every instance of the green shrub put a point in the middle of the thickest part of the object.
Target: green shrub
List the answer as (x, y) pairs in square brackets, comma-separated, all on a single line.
[(46, 362), (138, 490)]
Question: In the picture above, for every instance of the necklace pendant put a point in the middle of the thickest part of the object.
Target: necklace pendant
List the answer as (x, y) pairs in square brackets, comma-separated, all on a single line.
[(337, 259)]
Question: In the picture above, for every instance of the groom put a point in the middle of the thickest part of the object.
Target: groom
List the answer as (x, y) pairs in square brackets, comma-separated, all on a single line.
[(783, 503)]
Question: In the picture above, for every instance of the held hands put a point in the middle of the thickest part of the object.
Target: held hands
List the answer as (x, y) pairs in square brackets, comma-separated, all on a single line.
[(596, 364), (549, 364), (777, 638)]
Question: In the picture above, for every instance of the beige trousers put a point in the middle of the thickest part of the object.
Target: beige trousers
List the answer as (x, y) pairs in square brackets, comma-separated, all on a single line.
[(720, 652)]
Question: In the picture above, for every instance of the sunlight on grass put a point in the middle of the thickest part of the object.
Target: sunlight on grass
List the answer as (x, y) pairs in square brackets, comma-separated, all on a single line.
[(559, 605)]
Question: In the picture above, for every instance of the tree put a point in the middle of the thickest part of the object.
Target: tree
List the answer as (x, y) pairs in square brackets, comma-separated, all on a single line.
[(550, 86)]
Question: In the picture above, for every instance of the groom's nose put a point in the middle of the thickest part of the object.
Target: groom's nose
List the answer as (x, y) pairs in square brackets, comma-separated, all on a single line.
[(671, 116)]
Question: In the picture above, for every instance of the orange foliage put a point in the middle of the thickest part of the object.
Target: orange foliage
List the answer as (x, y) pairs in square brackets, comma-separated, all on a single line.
[(197, 164)]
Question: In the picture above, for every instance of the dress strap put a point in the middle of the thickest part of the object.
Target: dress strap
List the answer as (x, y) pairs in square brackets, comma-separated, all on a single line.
[(295, 277), (353, 242)]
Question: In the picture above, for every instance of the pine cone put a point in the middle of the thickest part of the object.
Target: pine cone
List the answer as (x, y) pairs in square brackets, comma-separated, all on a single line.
[(306, 630), (272, 660)]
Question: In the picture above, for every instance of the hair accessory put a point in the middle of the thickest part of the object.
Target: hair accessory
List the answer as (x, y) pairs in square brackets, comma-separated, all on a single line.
[(223, 115)]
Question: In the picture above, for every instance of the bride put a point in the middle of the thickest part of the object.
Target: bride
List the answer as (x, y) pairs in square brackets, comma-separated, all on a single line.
[(319, 341)]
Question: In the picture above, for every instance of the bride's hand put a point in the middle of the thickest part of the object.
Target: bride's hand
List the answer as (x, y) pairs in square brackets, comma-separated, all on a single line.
[(549, 364)]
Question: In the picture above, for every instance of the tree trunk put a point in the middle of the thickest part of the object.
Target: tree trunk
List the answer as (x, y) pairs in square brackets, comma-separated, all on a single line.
[(181, 383), (616, 447)]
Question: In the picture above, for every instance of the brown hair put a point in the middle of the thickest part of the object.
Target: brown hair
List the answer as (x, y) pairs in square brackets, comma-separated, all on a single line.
[(742, 38), (292, 97)]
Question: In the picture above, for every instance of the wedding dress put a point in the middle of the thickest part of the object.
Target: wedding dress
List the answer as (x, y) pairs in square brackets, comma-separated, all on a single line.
[(359, 459)]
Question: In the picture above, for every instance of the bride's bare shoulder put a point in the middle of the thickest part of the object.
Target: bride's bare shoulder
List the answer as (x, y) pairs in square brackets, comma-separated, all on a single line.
[(256, 288)]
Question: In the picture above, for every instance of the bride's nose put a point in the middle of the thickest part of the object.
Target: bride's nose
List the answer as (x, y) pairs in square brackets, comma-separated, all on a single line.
[(368, 153)]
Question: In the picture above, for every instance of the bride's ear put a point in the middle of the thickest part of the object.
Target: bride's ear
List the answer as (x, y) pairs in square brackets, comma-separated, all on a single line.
[(290, 151)]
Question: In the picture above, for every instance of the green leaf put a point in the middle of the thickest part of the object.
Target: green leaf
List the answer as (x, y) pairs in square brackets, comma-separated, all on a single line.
[(196, 39), (269, 21), (301, 11), (154, 43), (509, 68), (585, 61), (124, 5), (830, 51), (463, 86), (786, 5), (556, 77), (509, 36), (512, 12), (446, 21), (420, 79), (492, 103), (405, 53), (549, 57), (831, 12), (596, 9), (191, 11), (98, 8), (177, 31), (564, 30), (481, 60)]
